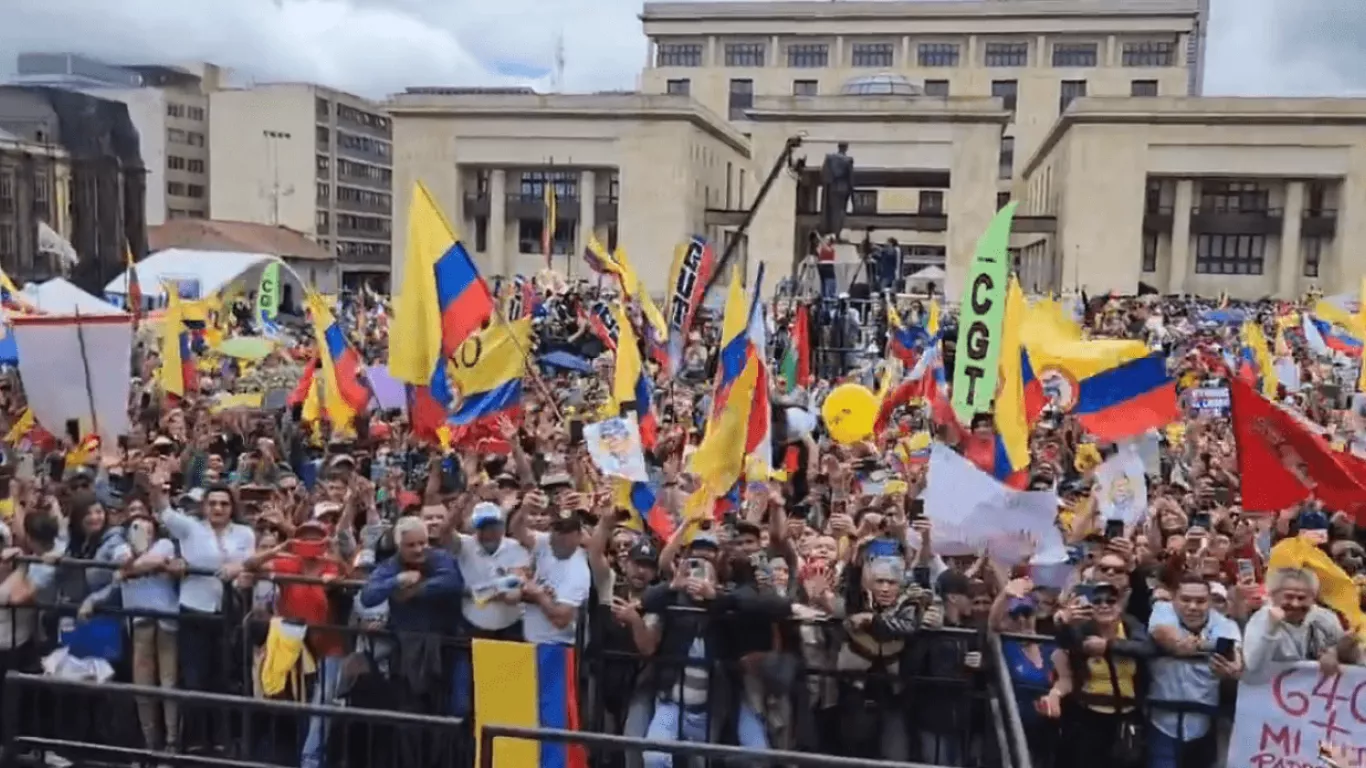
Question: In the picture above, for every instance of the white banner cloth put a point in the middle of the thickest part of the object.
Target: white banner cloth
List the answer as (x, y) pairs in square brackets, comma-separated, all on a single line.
[(58, 355)]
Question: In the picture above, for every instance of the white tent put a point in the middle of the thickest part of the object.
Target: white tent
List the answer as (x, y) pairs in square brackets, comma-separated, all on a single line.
[(198, 274), (60, 297)]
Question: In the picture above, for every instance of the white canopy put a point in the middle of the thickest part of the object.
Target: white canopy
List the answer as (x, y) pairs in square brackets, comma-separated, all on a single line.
[(198, 273), (60, 297), (928, 273)]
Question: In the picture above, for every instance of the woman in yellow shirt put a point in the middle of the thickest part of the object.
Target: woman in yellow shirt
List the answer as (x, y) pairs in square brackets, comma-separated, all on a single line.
[(1101, 667)]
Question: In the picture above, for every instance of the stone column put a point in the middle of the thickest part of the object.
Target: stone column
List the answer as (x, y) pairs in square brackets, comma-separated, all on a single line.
[(588, 223), (497, 227), (1287, 276), (1181, 235)]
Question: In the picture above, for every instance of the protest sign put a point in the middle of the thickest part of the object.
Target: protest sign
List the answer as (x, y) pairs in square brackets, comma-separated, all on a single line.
[(972, 512), (1283, 720), (1208, 401), (1122, 486), (979, 323)]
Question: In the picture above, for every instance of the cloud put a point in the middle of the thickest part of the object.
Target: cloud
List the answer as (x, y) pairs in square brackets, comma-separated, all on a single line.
[(377, 47)]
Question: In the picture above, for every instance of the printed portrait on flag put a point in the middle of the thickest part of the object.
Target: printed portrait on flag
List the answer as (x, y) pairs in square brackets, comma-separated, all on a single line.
[(614, 445)]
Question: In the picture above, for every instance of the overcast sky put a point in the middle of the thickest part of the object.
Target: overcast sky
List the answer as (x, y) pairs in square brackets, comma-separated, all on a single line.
[(376, 47)]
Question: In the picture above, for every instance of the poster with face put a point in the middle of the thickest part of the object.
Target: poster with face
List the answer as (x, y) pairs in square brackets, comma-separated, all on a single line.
[(614, 445)]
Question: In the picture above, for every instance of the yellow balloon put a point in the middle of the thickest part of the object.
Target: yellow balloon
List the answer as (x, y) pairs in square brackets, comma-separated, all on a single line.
[(849, 411)]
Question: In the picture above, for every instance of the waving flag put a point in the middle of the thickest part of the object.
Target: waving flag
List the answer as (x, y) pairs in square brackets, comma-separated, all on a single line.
[(642, 501), (759, 435), (134, 287), (343, 394), (693, 263), (532, 686), (604, 324), (552, 215), (178, 372), (1262, 365), (630, 383), (796, 366), (1021, 398), (720, 458), (485, 373), (1336, 337)]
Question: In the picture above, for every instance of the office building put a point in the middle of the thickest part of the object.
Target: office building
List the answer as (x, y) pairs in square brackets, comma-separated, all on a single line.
[(309, 158), (35, 179)]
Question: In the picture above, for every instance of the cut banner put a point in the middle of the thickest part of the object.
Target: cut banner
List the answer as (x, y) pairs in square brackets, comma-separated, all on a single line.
[(973, 512)]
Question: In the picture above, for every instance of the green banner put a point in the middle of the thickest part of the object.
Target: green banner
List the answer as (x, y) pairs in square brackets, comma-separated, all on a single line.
[(979, 321), (268, 293)]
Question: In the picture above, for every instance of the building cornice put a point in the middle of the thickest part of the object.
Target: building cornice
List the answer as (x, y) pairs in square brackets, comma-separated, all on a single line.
[(872, 109), (864, 10)]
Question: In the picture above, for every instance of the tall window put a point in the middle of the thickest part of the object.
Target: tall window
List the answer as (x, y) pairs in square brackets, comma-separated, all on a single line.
[(679, 55), (1007, 160), (1313, 255), (1234, 197), (176, 188), (1069, 90), (1229, 254), (1149, 251), (532, 184), (1144, 88), (1075, 54), (741, 98), (863, 201), (872, 55), (175, 163), (529, 236), (678, 87), (1007, 91), (808, 55), (805, 87), (937, 54), (744, 54), (1149, 54), (931, 202), (1007, 55), (937, 88)]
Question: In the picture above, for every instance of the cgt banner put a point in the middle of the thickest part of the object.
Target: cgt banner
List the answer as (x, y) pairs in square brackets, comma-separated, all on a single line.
[(1286, 719), (693, 263), (979, 324)]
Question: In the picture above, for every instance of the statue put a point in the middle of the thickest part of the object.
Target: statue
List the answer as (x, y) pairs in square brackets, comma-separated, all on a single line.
[(837, 186)]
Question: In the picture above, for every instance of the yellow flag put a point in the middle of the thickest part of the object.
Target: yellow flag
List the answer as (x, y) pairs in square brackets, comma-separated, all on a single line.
[(415, 330), (27, 421)]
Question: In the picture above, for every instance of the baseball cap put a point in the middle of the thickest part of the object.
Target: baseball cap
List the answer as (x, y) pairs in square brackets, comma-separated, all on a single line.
[(644, 551), (1020, 606), (704, 540), (324, 508), (486, 513), (566, 521)]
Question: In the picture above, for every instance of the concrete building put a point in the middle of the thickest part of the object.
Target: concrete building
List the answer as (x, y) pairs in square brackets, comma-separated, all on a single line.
[(639, 171), (35, 183), (309, 158), (1255, 197), (169, 109)]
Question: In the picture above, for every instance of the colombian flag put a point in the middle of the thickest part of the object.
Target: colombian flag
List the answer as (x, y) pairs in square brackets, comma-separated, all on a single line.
[(178, 373), (462, 297), (1337, 339), (1021, 398), (528, 686), (906, 341), (485, 374), (343, 393), (630, 383), (643, 503)]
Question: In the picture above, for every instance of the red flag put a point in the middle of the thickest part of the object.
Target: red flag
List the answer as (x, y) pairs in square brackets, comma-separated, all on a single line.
[(801, 336), (300, 392), (1281, 463)]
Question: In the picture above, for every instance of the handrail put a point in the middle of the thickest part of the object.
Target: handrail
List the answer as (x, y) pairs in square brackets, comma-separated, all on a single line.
[(1012, 713)]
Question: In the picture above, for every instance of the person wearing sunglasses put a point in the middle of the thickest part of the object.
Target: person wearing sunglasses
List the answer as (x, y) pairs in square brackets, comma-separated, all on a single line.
[(1101, 667)]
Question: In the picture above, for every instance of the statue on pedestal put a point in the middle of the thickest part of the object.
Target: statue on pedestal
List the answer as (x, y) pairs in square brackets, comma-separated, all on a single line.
[(837, 186)]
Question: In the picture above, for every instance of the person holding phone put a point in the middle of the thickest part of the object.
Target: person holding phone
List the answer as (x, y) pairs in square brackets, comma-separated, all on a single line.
[(1202, 648)]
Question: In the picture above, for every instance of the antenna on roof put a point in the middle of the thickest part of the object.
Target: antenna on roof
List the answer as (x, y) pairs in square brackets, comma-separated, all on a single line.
[(559, 60)]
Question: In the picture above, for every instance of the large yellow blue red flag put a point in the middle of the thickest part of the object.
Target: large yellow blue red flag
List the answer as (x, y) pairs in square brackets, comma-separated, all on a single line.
[(1021, 397), (177, 374), (720, 458), (529, 686), (485, 373), (630, 383), (343, 394)]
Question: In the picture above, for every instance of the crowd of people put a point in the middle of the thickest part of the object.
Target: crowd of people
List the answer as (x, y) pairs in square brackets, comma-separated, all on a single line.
[(249, 552)]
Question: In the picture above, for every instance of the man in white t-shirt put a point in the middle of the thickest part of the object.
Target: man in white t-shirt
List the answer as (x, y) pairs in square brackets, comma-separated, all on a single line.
[(494, 567), (560, 581)]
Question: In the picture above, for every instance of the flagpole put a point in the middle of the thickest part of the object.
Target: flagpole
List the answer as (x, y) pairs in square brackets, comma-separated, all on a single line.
[(85, 368)]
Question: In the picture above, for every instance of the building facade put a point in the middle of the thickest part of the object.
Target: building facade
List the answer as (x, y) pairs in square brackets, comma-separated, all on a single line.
[(35, 181), (1250, 196), (638, 171), (310, 158)]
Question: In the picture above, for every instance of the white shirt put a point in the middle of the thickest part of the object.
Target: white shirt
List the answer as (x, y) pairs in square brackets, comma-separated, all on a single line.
[(570, 579), (478, 567), (204, 548)]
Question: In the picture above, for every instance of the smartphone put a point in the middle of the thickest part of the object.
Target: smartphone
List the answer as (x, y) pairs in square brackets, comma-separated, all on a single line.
[(1114, 529), (25, 470), (1085, 591), (576, 432), (917, 509), (1200, 520), (697, 568), (1224, 647), (1246, 570), (921, 576)]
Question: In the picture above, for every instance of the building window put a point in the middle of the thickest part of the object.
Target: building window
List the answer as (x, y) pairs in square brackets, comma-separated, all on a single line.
[(323, 221), (175, 188), (864, 201), (194, 190), (194, 166), (1007, 55), (322, 107), (532, 184), (324, 135), (937, 54), (175, 110), (679, 55), (931, 202), (1145, 88), (481, 233), (808, 55), (194, 138), (1075, 54), (938, 88), (744, 54), (1149, 54), (195, 113), (1007, 160), (1007, 91), (741, 98), (324, 192), (7, 241), (175, 136), (1069, 90), (872, 55), (529, 236), (1002, 200), (41, 188), (1149, 251), (1229, 254), (805, 87), (1313, 255), (678, 87), (175, 163), (1234, 197)]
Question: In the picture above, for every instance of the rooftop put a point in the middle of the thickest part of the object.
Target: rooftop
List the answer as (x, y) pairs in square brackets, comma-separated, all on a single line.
[(877, 9), (236, 236)]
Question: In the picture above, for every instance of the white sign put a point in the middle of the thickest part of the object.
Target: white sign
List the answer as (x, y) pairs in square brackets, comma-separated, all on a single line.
[(614, 445), (1122, 492), (1209, 401), (973, 512), (1283, 721)]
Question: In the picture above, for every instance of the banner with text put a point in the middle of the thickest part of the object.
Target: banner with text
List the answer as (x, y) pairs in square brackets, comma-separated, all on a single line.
[(1285, 720)]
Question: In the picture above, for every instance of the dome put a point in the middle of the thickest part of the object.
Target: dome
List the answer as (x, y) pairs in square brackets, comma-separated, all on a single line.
[(883, 84)]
